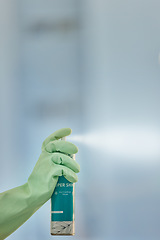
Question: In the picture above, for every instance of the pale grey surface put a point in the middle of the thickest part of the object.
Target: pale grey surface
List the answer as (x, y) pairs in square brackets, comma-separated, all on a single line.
[(90, 65)]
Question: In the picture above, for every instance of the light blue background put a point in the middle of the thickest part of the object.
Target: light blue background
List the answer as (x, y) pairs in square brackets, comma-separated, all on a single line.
[(88, 65)]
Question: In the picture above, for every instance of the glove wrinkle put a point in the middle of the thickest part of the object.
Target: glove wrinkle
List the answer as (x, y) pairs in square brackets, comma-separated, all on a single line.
[(61, 162)]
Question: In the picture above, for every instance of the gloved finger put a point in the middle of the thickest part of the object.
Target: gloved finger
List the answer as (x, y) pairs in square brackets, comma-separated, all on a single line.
[(61, 146), (67, 173), (62, 159), (63, 132)]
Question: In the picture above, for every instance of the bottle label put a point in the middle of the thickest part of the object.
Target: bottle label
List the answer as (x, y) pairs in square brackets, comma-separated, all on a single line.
[(62, 201)]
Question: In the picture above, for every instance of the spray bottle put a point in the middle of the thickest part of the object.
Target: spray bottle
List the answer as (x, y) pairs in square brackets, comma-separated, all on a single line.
[(62, 207)]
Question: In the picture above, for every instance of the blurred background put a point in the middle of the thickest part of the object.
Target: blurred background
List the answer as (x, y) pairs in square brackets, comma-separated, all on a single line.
[(93, 66)]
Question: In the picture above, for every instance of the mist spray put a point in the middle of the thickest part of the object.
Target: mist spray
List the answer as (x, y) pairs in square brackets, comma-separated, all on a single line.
[(62, 207)]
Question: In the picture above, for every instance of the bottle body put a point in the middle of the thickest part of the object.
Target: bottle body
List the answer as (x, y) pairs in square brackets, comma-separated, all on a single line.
[(62, 208)]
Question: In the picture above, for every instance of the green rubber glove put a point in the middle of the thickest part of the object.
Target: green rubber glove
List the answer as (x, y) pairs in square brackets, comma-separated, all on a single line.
[(19, 204)]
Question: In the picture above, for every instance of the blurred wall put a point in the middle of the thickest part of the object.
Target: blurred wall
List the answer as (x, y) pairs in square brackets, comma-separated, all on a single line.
[(121, 45), (92, 66)]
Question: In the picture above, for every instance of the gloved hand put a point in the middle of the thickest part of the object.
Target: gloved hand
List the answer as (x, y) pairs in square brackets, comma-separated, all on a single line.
[(18, 204)]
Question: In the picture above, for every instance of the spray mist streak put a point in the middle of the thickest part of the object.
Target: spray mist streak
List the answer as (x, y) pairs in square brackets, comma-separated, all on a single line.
[(129, 142)]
